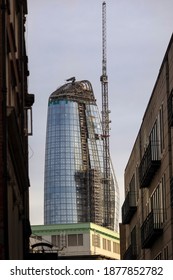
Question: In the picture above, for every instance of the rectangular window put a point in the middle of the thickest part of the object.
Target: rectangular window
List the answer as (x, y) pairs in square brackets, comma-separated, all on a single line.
[(104, 243), (161, 129), (75, 240), (157, 205), (96, 240), (154, 141), (72, 240), (56, 240), (164, 197), (108, 245), (132, 189), (116, 247)]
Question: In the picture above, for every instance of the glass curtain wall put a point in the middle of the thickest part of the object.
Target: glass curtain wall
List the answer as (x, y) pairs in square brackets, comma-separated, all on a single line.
[(62, 160), (73, 184)]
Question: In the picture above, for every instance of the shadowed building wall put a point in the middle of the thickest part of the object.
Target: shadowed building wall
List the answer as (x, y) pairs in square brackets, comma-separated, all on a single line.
[(147, 211), (15, 105)]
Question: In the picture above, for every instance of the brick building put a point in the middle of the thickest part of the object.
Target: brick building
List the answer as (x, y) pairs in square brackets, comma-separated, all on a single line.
[(146, 231), (15, 107)]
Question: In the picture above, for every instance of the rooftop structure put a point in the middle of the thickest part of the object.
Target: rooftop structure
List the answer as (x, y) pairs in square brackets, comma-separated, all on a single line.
[(75, 241)]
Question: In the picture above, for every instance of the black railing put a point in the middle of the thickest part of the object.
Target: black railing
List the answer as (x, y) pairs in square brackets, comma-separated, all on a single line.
[(129, 207), (151, 228), (130, 253), (149, 164)]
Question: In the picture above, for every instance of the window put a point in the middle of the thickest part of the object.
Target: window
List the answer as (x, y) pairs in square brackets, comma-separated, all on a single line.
[(132, 189), (75, 240), (96, 240), (163, 183), (72, 240), (106, 244), (56, 240), (154, 140), (116, 247), (59, 241), (156, 201), (161, 129)]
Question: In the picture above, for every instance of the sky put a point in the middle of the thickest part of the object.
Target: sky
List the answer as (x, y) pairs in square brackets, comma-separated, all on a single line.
[(64, 39)]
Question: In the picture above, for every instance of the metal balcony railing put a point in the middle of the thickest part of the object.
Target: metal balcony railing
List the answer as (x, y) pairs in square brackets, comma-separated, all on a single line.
[(129, 207), (130, 253), (149, 164), (152, 228)]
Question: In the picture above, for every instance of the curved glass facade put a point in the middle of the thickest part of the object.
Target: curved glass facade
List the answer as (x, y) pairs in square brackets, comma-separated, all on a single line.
[(73, 186)]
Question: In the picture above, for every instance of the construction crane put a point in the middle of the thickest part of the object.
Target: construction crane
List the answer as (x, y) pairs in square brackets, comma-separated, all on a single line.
[(105, 123)]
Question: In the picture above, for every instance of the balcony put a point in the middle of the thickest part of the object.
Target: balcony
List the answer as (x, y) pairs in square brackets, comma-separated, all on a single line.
[(131, 253), (152, 228), (149, 164), (129, 207)]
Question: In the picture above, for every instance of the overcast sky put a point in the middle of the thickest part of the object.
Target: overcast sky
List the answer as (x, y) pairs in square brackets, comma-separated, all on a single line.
[(64, 39)]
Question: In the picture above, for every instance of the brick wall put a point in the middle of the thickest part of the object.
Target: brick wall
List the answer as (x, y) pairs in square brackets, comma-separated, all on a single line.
[(2, 183)]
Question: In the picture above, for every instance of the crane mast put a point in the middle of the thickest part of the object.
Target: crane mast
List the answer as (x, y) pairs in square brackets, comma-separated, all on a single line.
[(105, 123)]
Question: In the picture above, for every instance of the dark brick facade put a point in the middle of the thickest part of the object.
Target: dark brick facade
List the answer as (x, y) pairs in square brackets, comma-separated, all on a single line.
[(146, 230), (14, 105)]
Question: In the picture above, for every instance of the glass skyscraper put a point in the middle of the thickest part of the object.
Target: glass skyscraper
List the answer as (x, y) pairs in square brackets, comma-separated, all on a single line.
[(73, 183)]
